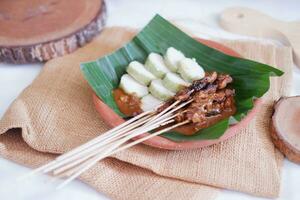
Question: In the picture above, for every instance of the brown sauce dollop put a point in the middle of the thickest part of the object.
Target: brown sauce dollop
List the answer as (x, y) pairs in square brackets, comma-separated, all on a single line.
[(129, 105)]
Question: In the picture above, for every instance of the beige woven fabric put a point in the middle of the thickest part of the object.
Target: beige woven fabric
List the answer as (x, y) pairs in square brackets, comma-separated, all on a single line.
[(118, 180), (55, 113)]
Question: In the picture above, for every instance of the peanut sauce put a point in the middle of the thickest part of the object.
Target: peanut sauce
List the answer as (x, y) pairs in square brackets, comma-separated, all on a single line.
[(129, 105)]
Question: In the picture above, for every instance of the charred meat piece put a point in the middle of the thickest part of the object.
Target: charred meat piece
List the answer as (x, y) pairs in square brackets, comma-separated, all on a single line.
[(211, 98), (202, 83), (223, 80), (183, 94), (197, 85)]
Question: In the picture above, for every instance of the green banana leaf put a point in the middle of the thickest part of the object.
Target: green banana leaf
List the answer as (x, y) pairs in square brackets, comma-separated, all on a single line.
[(251, 79)]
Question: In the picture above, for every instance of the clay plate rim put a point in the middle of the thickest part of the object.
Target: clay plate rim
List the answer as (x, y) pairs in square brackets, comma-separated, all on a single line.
[(112, 119)]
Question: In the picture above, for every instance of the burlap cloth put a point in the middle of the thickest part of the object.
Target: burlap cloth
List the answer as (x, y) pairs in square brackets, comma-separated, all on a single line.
[(55, 113)]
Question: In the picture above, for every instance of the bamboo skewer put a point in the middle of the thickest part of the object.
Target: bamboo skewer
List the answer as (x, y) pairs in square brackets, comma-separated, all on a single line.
[(130, 134), (84, 146), (164, 111), (151, 121), (106, 134), (102, 156), (124, 147), (73, 163), (137, 131), (91, 148), (87, 151)]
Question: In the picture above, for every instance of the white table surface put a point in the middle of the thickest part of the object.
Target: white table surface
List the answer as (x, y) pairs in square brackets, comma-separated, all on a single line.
[(134, 13)]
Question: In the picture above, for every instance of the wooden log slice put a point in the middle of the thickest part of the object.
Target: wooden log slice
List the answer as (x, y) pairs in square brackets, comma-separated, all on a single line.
[(35, 31), (285, 127)]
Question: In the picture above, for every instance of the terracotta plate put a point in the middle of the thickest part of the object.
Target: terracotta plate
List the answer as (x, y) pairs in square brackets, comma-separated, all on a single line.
[(112, 119)]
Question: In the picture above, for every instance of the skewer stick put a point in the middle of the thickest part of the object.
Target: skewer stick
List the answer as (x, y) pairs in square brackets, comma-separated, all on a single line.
[(106, 138), (170, 111), (149, 136), (85, 166), (106, 134), (107, 153), (101, 148), (86, 145), (97, 145), (163, 112), (86, 151), (75, 159)]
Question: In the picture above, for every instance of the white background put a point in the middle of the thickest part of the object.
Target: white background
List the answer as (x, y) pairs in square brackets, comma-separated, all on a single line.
[(134, 13)]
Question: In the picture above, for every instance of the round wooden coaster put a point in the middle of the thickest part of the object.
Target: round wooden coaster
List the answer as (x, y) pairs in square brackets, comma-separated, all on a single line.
[(33, 30)]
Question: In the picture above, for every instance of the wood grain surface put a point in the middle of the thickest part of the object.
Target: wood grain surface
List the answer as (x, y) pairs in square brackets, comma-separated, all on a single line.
[(36, 31), (254, 23)]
